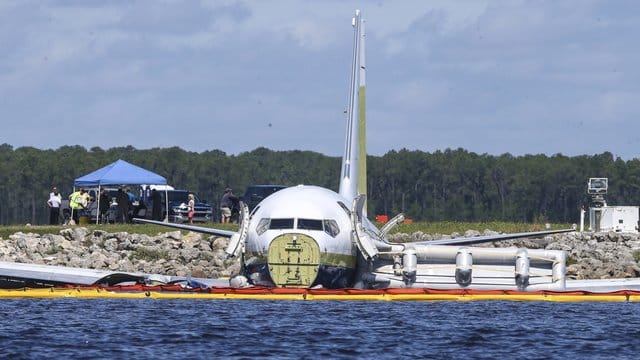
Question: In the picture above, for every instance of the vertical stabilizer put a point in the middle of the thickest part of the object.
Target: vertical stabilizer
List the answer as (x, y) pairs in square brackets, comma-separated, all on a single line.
[(353, 175)]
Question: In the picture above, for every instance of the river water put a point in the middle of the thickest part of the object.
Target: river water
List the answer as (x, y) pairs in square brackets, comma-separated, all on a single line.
[(248, 329)]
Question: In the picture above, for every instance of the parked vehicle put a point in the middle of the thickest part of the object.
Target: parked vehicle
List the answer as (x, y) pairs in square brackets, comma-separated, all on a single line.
[(178, 200), (256, 193)]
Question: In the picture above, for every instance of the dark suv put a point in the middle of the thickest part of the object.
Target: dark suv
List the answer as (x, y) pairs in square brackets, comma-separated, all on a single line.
[(178, 200), (256, 193)]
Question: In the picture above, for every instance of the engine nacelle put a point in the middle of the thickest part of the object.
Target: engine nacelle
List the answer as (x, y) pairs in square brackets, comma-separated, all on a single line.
[(464, 263), (522, 269), (410, 266)]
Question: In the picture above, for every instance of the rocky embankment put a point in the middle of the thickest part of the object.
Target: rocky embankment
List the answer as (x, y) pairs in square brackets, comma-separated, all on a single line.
[(590, 255), (170, 253)]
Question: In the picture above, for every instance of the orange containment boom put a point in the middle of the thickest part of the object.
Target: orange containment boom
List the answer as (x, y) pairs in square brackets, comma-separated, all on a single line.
[(262, 293)]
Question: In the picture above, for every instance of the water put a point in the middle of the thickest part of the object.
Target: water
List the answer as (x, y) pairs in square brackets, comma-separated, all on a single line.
[(245, 329)]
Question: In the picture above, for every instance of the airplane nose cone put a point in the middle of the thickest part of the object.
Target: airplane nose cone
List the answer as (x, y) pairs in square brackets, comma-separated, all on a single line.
[(294, 260)]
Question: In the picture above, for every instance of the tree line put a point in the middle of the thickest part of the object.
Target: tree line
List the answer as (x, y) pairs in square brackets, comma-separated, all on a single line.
[(455, 185)]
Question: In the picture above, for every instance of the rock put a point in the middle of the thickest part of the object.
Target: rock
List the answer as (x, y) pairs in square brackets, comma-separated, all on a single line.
[(471, 233), (190, 254), (219, 243), (111, 244), (590, 255), (176, 235), (75, 233)]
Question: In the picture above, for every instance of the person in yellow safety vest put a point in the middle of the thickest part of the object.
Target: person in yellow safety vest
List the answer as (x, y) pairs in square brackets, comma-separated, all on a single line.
[(77, 202), (85, 199)]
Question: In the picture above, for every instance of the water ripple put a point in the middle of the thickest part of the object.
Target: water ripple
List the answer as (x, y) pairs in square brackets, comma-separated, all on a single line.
[(248, 329)]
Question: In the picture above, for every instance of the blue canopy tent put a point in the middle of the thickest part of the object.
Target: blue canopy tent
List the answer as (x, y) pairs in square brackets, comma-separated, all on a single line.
[(120, 173)]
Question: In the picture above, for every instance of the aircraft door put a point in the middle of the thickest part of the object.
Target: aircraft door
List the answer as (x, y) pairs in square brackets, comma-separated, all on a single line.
[(294, 260)]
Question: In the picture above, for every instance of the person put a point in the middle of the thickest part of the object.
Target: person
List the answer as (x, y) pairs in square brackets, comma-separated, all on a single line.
[(132, 197), (191, 208), (54, 202), (227, 202), (138, 208), (103, 206), (74, 204), (135, 205), (123, 206), (156, 211), (147, 193), (85, 199)]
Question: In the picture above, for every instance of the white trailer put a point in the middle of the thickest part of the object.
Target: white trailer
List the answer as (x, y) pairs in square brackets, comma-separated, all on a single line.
[(614, 218)]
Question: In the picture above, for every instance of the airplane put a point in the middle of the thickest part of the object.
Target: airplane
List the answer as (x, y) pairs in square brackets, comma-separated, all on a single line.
[(309, 236)]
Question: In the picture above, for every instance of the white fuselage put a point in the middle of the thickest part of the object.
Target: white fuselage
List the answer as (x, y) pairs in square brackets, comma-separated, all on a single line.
[(302, 229)]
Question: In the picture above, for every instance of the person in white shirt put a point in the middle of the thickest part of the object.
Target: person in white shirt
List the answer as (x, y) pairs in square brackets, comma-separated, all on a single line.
[(191, 208), (55, 199)]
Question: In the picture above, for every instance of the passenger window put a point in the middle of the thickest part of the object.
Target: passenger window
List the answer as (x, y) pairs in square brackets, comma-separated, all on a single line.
[(310, 224), (281, 224)]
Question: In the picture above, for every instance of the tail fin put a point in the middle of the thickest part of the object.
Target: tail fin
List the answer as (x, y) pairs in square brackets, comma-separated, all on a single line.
[(353, 178)]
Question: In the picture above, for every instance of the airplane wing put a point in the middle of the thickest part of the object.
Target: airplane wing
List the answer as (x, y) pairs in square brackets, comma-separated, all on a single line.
[(17, 275), (199, 229), (488, 238), (236, 238)]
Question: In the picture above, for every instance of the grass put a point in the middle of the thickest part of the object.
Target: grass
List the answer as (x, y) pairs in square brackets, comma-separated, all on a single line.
[(440, 227)]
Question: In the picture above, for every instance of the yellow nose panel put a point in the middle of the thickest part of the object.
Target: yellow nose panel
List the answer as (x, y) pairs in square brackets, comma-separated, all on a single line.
[(293, 260)]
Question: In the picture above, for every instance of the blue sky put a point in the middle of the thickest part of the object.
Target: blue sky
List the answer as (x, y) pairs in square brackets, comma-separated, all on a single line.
[(519, 77)]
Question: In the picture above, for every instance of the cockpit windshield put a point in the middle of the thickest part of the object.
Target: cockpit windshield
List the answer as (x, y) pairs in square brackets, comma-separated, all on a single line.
[(310, 224), (329, 226), (281, 224)]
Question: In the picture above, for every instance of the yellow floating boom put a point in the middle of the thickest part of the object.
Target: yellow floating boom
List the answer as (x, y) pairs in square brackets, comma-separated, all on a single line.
[(311, 294)]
